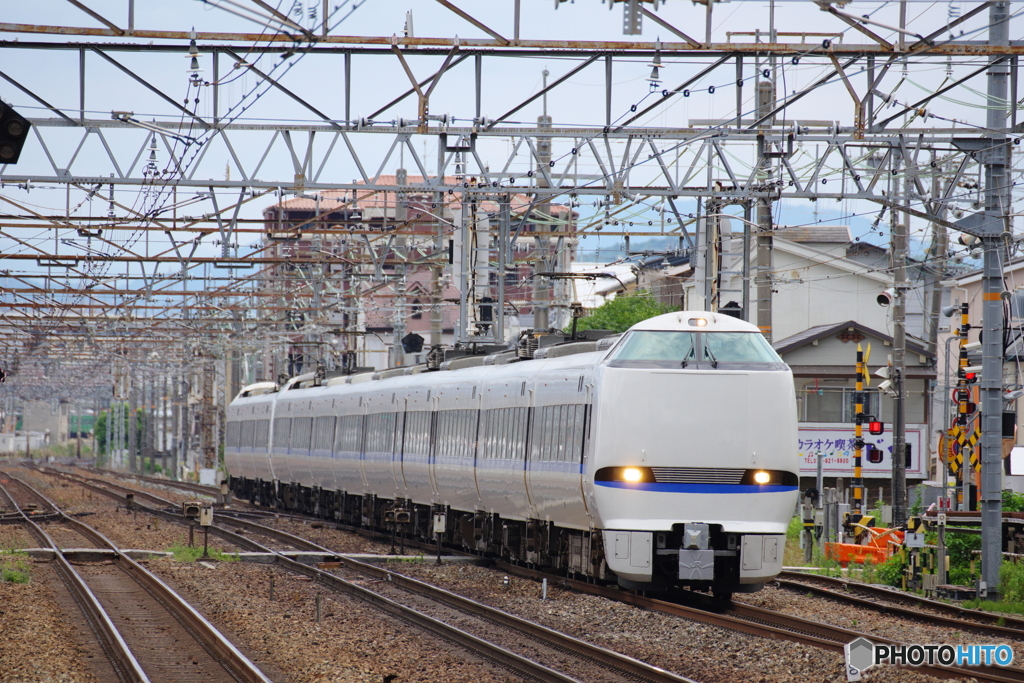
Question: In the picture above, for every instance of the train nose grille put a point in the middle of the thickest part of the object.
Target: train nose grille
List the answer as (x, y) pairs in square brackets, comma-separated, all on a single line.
[(697, 475)]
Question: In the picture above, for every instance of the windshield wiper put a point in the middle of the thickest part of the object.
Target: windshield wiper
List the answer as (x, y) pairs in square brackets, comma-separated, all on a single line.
[(714, 361)]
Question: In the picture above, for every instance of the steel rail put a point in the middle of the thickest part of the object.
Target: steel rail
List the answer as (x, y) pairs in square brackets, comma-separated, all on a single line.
[(833, 585), (744, 618), (627, 665), (766, 623), (118, 653), (237, 663), (276, 534), (486, 649), (236, 539)]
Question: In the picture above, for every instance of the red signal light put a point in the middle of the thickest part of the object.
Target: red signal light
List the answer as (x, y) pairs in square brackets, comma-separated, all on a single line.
[(876, 427), (970, 376)]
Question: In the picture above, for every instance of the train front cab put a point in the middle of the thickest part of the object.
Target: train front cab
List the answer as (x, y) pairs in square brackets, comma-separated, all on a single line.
[(694, 469)]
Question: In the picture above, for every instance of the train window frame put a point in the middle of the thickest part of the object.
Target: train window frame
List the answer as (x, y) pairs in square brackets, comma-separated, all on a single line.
[(697, 357)]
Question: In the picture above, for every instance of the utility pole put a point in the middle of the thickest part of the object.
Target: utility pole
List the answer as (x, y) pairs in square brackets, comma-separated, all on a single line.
[(991, 226), (899, 364), (541, 286), (765, 227), (996, 225), (398, 326)]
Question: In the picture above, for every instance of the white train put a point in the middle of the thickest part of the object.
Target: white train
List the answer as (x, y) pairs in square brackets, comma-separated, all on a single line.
[(660, 458)]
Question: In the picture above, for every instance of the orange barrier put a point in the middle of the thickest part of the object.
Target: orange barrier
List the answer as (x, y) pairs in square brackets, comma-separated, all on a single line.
[(881, 544)]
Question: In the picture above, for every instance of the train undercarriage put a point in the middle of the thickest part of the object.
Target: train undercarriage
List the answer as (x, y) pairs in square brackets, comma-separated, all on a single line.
[(568, 552)]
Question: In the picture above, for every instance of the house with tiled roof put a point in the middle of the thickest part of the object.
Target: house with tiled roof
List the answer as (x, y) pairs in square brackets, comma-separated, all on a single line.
[(823, 360), (373, 259)]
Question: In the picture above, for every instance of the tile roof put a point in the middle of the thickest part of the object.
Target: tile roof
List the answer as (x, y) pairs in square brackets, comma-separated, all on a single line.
[(418, 191), (822, 234), (821, 331)]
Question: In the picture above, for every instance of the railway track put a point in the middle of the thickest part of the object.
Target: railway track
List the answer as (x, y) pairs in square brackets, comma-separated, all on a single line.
[(148, 632), (771, 624), (540, 653), (904, 604)]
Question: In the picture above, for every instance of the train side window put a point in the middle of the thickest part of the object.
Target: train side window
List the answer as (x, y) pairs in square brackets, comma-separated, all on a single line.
[(510, 447), (556, 433), (555, 430), (551, 429), (544, 435), (501, 434), (565, 433), (493, 425), (247, 434), (231, 438), (262, 432), (447, 438), (389, 438), (282, 432), (573, 441)]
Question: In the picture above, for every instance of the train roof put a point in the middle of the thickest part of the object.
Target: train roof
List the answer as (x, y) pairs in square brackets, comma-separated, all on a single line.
[(567, 355), (695, 321)]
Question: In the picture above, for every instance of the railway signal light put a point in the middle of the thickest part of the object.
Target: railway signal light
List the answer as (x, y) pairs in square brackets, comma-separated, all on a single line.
[(876, 427), (412, 343), (13, 133)]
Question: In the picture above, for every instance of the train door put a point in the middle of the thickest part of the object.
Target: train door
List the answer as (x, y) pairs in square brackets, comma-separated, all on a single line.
[(533, 435), (400, 442), (433, 448), (477, 446), (588, 410)]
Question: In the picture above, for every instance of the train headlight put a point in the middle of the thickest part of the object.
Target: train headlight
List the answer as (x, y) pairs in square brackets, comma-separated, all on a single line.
[(632, 474), (762, 477)]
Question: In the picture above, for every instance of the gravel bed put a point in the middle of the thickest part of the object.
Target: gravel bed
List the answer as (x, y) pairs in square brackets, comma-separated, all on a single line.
[(356, 643), (705, 653), (126, 529), (867, 620), (15, 537), (353, 642), (40, 643), (327, 535)]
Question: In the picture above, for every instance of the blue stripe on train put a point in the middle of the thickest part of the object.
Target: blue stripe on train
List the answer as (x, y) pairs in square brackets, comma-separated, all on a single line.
[(697, 488)]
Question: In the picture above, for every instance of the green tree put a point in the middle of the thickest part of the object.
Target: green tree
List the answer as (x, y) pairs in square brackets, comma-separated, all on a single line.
[(623, 312), (101, 432), (103, 426)]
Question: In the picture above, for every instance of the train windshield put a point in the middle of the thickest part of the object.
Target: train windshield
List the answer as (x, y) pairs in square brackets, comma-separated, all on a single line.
[(741, 347), (694, 348), (663, 346)]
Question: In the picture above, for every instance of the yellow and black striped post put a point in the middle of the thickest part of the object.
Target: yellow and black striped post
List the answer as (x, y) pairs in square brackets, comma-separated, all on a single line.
[(963, 397), (858, 436)]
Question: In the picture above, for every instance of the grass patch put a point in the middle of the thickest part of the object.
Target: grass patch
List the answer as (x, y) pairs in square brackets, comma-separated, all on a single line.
[(419, 559), (15, 566), (183, 553), (995, 606)]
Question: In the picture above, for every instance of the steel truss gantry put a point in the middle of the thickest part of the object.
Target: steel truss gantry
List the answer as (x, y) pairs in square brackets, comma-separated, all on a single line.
[(158, 160)]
